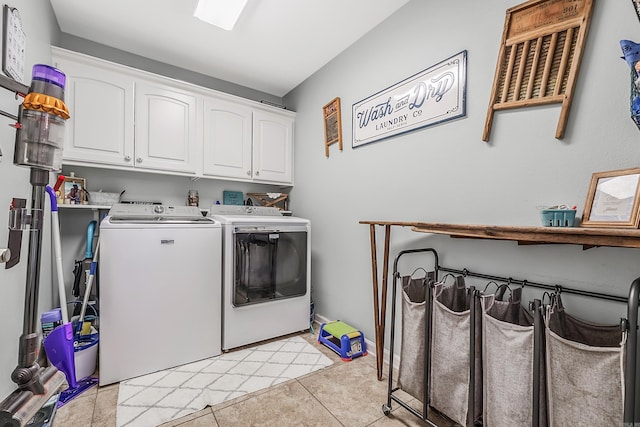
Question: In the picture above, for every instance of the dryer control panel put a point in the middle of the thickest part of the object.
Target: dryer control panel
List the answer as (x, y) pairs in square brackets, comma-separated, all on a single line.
[(244, 210)]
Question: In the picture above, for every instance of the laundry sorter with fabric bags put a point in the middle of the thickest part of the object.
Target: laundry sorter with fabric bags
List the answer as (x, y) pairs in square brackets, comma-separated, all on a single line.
[(479, 356)]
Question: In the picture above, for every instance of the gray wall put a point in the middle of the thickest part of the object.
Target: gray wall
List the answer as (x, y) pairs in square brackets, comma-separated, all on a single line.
[(446, 173), (88, 47), (41, 31)]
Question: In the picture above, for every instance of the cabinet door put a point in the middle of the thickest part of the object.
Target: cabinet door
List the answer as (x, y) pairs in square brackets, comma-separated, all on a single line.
[(100, 102), (165, 130), (272, 147), (227, 139)]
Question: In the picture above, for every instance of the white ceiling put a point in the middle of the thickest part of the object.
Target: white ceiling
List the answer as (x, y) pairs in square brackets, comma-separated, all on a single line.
[(275, 45)]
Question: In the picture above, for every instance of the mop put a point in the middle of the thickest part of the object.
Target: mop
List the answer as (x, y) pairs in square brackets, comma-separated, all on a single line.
[(88, 382), (59, 343)]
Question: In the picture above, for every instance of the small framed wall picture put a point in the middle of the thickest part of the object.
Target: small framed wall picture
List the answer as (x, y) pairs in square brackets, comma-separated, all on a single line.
[(75, 191), (613, 199), (332, 125)]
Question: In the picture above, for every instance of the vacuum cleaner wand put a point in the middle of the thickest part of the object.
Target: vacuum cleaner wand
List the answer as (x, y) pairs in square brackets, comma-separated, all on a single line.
[(36, 384)]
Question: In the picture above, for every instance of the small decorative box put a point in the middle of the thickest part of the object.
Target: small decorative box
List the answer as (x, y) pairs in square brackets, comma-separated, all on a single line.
[(558, 217), (232, 197)]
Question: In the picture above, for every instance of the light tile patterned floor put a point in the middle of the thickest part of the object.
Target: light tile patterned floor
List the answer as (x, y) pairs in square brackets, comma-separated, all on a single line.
[(342, 394), (174, 393)]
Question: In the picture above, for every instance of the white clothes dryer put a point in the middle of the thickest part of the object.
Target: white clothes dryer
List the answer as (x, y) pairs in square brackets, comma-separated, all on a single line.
[(266, 273)]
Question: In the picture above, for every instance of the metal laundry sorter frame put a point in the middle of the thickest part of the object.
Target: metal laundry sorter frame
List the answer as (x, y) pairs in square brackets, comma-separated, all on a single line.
[(628, 324)]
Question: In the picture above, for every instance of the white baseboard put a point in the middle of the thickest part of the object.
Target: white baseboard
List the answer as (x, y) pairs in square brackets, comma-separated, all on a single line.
[(371, 345)]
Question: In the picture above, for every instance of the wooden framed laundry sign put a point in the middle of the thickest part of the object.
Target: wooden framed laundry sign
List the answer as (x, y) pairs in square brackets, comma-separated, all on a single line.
[(433, 96)]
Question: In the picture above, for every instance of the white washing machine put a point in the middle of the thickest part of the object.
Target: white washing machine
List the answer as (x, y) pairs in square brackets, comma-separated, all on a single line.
[(160, 289), (266, 273)]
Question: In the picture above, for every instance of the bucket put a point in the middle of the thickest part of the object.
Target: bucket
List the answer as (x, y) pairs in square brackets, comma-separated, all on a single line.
[(85, 356)]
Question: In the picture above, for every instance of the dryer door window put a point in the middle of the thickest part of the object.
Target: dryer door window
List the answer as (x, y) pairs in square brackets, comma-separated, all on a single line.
[(269, 265)]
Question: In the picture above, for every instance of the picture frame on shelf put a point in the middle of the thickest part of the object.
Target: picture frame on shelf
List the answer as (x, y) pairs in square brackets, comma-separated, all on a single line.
[(75, 191), (332, 125), (613, 199)]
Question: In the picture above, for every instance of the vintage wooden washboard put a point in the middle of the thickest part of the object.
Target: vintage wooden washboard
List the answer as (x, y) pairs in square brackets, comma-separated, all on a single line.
[(539, 57)]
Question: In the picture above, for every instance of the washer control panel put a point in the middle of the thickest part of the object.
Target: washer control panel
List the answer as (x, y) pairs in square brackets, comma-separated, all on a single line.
[(137, 211)]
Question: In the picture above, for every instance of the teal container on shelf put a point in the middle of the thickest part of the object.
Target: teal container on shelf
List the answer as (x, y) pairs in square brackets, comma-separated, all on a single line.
[(558, 217)]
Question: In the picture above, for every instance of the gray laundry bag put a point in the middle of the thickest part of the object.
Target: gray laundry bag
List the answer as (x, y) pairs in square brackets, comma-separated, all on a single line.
[(585, 370), (450, 352), (411, 371), (507, 356)]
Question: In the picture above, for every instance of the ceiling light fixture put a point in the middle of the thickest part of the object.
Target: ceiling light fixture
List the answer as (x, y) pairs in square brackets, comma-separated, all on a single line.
[(221, 13)]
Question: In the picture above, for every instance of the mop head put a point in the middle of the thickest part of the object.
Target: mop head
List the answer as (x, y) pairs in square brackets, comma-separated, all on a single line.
[(71, 393)]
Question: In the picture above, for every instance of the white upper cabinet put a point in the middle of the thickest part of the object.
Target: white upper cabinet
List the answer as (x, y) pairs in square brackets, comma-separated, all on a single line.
[(272, 147), (227, 139), (100, 102), (248, 144), (165, 128), (126, 118)]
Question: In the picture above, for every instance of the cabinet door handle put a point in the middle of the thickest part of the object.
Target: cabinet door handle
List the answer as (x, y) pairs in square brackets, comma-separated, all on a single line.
[(139, 160), (249, 172), (127, 158), (257, 173)]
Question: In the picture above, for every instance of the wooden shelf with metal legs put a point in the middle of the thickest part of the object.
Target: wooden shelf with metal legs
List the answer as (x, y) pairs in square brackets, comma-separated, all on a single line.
[(585, 237)]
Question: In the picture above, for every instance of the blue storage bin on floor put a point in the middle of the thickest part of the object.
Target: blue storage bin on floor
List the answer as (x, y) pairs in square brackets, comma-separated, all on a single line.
[(345, 340)]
